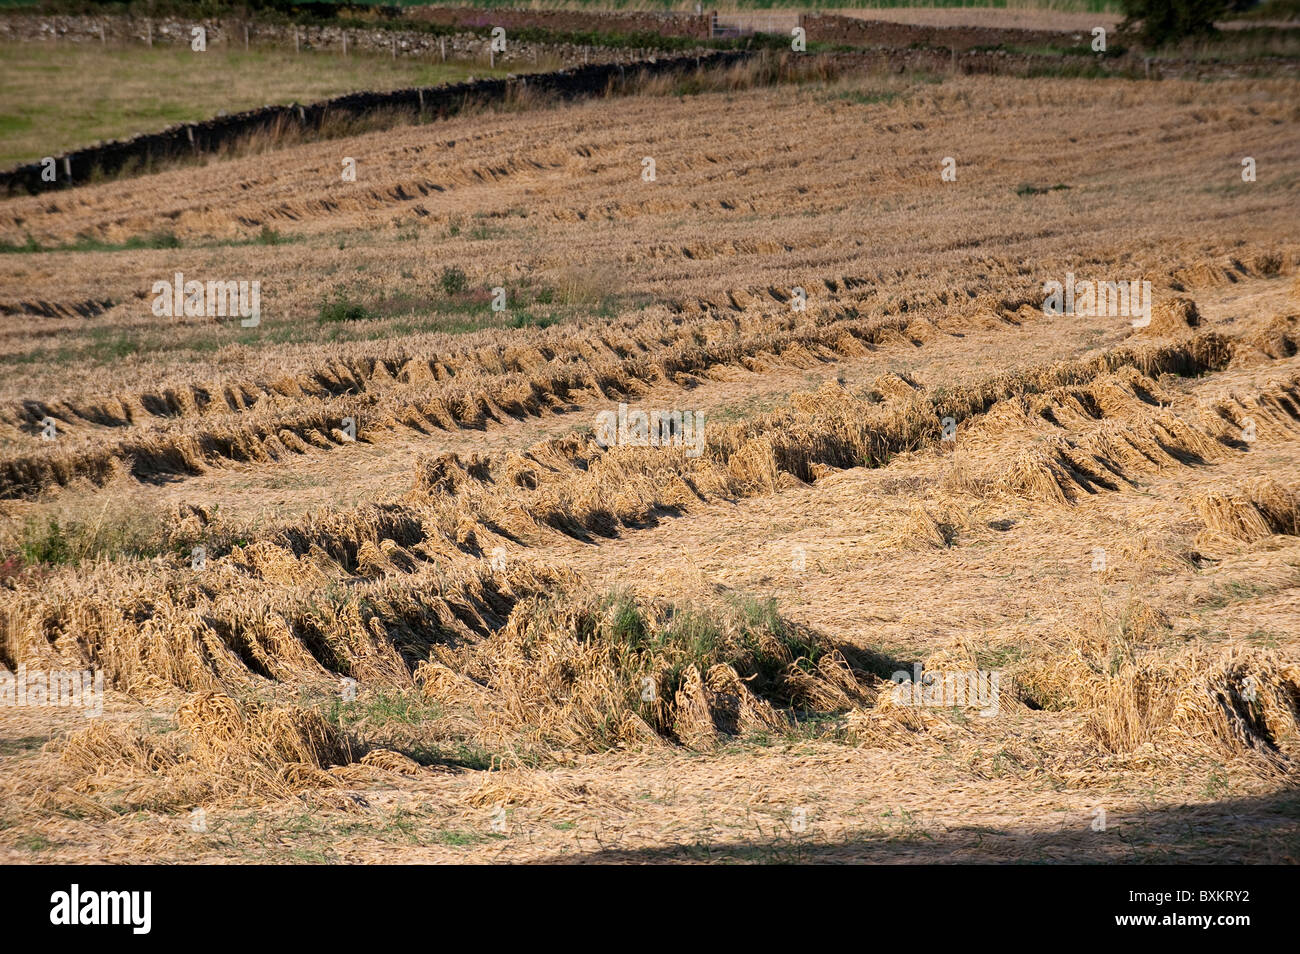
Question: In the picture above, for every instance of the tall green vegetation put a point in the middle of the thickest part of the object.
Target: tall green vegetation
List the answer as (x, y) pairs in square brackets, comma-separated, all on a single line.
[(1166, 21)]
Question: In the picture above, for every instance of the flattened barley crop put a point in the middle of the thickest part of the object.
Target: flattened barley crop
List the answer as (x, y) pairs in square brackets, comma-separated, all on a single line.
[(909, 471)]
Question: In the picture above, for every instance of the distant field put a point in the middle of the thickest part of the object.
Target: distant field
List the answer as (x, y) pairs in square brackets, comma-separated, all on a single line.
[(1044, 16), (688, 6), (59, 97), (679, 5)]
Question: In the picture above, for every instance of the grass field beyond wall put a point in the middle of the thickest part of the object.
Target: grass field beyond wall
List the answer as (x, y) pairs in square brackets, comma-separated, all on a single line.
[(56, 97)]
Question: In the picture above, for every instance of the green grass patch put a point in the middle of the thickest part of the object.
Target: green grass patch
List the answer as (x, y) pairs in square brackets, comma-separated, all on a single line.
[(26, 743), (460, 838), (34, 842), (453, 281), (117, 528), (343, 308), (383, 708), (56, 98)]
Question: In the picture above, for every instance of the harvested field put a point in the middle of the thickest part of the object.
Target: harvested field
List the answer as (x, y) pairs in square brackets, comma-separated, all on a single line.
[(388, 575), (1023, 16)]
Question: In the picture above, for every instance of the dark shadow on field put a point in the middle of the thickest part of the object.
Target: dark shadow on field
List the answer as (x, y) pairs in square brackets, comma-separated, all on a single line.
[(1254, 830)]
